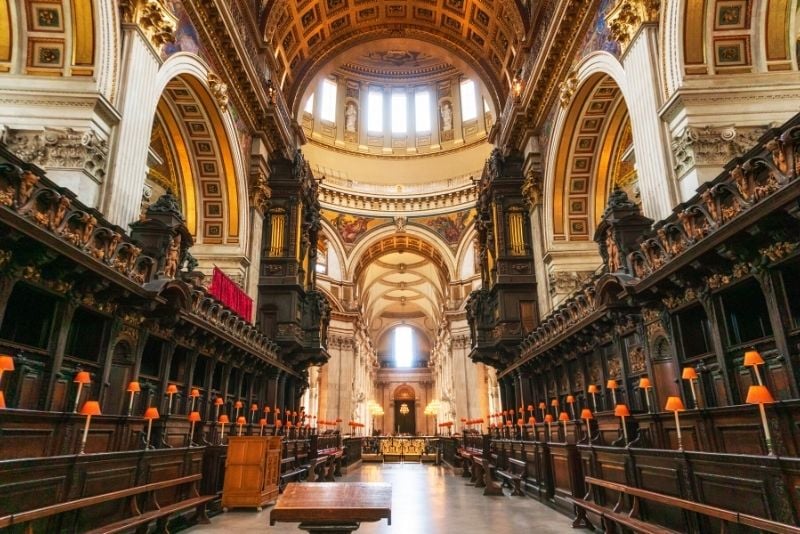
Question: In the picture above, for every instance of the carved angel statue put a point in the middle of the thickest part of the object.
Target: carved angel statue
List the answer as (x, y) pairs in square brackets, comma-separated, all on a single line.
[(173, 257)]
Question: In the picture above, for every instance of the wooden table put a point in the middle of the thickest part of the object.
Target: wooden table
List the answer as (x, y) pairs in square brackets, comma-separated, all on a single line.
[(333, 507)]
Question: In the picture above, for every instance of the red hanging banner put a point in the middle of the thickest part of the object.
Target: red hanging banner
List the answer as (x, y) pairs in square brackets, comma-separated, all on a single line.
[(226, 291)]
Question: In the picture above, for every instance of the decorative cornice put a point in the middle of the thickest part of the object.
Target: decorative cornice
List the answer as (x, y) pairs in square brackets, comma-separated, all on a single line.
[(61, 148)]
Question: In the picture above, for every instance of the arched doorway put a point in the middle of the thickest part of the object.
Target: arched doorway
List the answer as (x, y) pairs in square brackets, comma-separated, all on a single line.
[(404, 410)]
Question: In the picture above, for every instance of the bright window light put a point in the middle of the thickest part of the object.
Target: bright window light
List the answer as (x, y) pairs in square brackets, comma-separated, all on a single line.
[(399, 112), (486, 108), (309, 105), (375, 110), (422, 111), (468, 105), (328, 106), (403, 346)]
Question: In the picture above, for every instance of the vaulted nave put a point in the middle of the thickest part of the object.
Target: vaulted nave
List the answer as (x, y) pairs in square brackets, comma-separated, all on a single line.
[(471, 265)]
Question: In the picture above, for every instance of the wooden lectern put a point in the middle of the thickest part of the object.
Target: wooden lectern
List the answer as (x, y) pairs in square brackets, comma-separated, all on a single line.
[(252, 471)]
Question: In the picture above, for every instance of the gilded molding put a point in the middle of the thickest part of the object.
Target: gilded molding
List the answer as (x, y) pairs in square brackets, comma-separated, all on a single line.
[(153, 17), (220, 91), (627, 16)]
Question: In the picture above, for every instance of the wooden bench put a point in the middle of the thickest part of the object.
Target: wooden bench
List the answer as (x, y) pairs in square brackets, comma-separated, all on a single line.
[(490, 485), (292, 470), (139, 519), (513, 475), (317, 468), (629, 519)]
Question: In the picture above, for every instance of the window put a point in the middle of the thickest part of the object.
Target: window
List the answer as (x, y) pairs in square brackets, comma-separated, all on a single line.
[(328, 105), (746, 313), (310, 105), (399, 112), (403, 346), (469, 109), (375, 110), (422, 111)]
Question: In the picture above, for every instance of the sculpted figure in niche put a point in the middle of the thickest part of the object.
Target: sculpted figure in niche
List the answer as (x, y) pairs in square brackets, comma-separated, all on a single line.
[(173, 255), (613, 252), (350, 117), (447, 117)]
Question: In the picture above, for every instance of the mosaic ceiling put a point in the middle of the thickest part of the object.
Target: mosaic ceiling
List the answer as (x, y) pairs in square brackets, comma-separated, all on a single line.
[(307, 34)]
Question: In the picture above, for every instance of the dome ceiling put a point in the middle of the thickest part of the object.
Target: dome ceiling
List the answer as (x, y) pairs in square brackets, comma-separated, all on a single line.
[(308, 34)]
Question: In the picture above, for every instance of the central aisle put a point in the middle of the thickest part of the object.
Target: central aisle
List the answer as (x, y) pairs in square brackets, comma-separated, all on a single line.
[(425, 500)]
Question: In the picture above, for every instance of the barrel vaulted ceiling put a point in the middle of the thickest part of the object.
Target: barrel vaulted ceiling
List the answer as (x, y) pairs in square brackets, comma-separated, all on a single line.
[(307, 34)]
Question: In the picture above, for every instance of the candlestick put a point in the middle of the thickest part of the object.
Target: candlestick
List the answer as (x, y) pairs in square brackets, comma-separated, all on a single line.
[(171, 390), (261, 425), (760, 395), (586, 414), (253, 409), (612, 385), (752, 358), (193, 418), (675, 404), (89, 409), (150, 414), (241, 421), (223, 419), (133, 389), (238, 407), (81, 378), (194, 394), (644, 383)]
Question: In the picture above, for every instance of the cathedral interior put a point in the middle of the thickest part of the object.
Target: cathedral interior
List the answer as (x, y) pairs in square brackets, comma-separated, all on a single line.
[(549, 246)]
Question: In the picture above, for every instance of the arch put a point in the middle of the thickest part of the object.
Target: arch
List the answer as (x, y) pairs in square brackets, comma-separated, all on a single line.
[(586, 155), (413, 238), (211, 161), (404, 392)]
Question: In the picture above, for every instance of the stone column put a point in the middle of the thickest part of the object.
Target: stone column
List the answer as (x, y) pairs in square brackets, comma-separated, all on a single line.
[(640, 59), (138, 69)]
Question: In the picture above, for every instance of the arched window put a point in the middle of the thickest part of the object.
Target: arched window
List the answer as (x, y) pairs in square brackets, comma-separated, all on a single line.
[(404, 346)]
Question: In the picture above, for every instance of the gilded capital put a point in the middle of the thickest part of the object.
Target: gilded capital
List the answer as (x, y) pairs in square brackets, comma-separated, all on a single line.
[(220, 91), (152, 17), (627, 16)]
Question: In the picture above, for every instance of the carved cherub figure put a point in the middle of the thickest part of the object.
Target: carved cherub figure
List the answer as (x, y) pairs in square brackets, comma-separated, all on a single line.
[(173, 255)]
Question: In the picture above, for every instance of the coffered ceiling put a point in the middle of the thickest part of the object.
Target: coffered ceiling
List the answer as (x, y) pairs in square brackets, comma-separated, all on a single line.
[(307, 34)]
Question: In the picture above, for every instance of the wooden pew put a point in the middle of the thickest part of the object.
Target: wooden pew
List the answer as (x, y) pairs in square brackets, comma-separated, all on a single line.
[(491, 487), (629, 515), (138, 518), (514, 474)]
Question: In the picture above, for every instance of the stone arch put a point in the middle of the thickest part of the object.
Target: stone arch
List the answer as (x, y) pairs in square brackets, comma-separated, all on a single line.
[(209, 158), (587, 156), (414, 237), (404, 392)]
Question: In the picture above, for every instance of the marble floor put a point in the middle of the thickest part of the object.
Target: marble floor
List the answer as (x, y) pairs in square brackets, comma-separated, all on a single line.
[(425, 500)]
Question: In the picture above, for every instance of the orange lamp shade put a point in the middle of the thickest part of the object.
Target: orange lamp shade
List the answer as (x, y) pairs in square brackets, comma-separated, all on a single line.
[(644, 383), (592, 388), (223, 419), (194, 417), (521, 409), (463, 420), (751, 358), (570, 399), (612, 384), (548, 418), (2, 401), (90, 408), (542, 405), (218, 401), (253, 407), (134, 387), (520, 422), (289, 424), (262, 422), (586, 413), (689, 373), (266, 409), (6, 363), (621, 410), (82, 378), (238, 404), (531, 420), (277, 410), (241, 420), (674, 404), (338, 420), (151, 413), (172, 389), (563, 416), (554, 402), (278, 423), (195, 393), (759, 395), (530, 407)]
